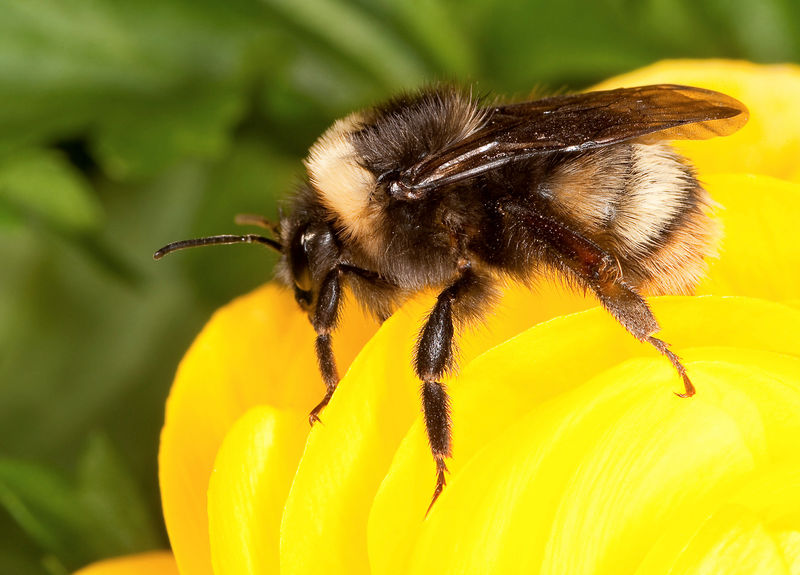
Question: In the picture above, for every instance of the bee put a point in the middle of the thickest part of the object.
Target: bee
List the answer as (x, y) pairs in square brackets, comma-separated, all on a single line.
[(437, 190)]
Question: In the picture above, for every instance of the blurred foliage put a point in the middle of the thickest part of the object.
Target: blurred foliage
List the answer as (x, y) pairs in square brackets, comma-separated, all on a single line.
[(128, 124)]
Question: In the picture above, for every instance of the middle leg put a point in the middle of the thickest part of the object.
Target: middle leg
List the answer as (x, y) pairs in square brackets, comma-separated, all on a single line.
[(435, 356)]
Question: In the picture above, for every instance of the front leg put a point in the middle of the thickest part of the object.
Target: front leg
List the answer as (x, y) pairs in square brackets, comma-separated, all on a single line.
[(435, 357), (326, 315)]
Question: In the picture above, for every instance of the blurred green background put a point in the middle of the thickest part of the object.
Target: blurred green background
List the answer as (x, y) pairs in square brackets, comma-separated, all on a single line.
[(126, 124)]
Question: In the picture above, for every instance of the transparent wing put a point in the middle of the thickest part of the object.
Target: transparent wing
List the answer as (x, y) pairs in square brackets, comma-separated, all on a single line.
[(580, 122)]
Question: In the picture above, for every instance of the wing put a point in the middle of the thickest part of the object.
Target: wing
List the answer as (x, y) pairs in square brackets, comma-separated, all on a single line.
[(579, 122)]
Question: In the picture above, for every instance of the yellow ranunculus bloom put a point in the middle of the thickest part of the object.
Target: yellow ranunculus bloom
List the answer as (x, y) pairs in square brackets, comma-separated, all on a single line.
[(571, 454)]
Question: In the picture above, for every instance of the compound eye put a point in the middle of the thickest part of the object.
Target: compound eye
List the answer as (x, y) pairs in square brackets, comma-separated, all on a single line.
[(298, 257)]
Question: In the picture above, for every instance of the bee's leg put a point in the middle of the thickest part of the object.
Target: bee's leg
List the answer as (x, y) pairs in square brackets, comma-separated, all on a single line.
[(598, 270), (324, 321), (435, 357), (326, 316), (632, 311)]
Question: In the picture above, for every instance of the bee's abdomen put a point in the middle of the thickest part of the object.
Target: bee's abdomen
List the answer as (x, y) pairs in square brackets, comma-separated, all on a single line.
[(643, 204)]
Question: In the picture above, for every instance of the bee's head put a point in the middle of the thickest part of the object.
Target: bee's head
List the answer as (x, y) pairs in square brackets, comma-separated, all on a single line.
[(310, 252), (306, 242)]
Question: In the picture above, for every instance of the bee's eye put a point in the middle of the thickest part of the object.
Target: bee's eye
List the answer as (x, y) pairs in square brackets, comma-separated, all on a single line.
[(298, 257)]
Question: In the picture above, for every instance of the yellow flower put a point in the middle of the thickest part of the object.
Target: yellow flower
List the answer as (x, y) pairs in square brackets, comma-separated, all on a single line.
[(571, 454)]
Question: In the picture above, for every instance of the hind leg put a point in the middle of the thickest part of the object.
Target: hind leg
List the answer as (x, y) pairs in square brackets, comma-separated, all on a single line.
[(598, 270)]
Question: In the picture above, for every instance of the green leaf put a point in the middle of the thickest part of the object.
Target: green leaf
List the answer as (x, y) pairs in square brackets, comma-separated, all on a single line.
[(103, 515), (43, 183), (764, 30), (114, 501), (356, 35), (44, 505), (97, 61), (150, 135), (10, 218), (434, 25)]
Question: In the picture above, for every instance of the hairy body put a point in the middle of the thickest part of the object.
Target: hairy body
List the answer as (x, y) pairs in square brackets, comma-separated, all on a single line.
[(639, 203)]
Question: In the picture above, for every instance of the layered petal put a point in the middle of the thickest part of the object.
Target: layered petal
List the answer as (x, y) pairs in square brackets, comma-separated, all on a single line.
[(346, 458), (758, 254), (557, 429), (238, 361), (252, 474)]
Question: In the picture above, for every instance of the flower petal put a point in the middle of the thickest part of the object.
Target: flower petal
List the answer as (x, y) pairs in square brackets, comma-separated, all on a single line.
[(734, 543), (519, 377), (152, 563), (759, 522), (346, 457), (252, 474), (237, 362), (323, 524), (594, 477), (758, 252), (770, 142)]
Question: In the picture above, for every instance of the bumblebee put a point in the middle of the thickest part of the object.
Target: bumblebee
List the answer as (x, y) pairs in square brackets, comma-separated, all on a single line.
[(435, 190)]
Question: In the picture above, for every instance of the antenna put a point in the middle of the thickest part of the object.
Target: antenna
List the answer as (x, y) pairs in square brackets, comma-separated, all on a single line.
[(216, 241)]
